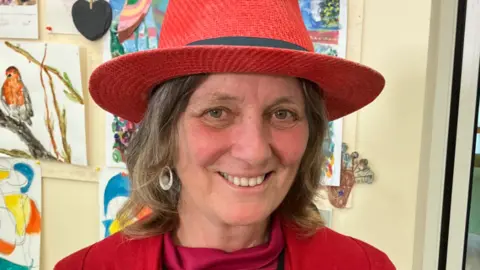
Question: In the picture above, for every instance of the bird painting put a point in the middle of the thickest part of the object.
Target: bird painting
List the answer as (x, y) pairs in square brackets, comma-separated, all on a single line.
[(15, 96)]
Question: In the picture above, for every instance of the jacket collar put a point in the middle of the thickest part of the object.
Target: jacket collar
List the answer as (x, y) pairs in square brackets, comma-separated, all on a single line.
[(146, 253)]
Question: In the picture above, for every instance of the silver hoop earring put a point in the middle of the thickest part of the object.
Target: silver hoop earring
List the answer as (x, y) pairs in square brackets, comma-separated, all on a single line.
[(166, 181)]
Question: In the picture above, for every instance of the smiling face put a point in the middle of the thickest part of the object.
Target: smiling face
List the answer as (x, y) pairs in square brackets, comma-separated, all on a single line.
[(241, 141)]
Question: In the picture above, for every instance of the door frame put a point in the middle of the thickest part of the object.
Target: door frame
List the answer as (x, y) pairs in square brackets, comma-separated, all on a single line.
[(465, 138), (444, 153)]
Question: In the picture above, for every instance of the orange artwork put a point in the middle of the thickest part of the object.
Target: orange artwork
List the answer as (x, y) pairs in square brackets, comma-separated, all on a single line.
[(20, 214)]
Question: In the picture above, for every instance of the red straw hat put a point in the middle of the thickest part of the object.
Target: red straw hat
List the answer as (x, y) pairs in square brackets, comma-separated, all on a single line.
[(212, 36)]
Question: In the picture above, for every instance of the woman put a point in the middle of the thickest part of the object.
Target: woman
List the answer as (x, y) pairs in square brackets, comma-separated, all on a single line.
[(233, 108)]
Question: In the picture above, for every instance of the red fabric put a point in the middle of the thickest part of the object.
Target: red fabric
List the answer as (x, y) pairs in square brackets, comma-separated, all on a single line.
[(326, 250), (260, 257), (121, 85)]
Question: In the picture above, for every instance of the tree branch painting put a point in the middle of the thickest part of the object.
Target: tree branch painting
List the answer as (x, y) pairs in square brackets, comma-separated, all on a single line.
[(35, 148), (70, 92), (23, 103)]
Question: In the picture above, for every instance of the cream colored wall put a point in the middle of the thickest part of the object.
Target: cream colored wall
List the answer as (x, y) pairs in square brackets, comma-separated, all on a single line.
[(395, 41), (392, 37)]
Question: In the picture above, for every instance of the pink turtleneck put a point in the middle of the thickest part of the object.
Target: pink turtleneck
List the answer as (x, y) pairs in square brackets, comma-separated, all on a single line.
[(264, 256)]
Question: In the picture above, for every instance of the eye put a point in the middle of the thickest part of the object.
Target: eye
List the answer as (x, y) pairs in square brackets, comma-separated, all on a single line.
[(284, 115), (284, 118), (215, 113), (218, 117)]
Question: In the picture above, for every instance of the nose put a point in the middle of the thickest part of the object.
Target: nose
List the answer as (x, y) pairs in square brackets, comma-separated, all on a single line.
[(252, 142)]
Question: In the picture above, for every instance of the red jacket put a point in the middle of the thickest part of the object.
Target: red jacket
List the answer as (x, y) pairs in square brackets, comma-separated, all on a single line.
[(326, 250)]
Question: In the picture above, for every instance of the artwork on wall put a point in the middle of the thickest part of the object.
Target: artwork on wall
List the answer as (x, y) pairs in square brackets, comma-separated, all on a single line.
[(59, 17), (20, 214), (19, 19), (355, 170), (114, 191), (326, 21), (42, 113), (135, 27), (119, 132), (332, 150)]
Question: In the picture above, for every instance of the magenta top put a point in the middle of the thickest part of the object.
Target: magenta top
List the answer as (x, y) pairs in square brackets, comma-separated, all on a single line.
[(260, 257)]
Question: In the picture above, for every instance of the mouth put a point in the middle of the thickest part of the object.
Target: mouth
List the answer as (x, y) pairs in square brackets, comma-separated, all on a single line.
[(242, 181)]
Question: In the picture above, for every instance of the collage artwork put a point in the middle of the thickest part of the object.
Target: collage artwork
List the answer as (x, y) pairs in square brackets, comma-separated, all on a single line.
[(42, 110)]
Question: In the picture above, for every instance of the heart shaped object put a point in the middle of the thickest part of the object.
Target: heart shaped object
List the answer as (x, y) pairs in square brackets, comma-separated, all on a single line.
[(92, 21)]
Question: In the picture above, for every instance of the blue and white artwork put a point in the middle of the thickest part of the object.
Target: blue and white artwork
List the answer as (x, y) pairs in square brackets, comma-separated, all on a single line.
[(321, 14), (114, 192)]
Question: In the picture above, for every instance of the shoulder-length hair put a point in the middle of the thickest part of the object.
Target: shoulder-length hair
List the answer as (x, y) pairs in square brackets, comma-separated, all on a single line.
[(154, 146)]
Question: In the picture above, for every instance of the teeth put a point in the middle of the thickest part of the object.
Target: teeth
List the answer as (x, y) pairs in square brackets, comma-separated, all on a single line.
[(244, 181)]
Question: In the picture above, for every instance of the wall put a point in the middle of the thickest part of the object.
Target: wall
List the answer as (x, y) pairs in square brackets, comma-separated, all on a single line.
[(395, 41), (392, 37)]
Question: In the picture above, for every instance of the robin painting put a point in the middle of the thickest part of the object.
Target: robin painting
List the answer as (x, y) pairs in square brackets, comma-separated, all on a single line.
[(15, 96)]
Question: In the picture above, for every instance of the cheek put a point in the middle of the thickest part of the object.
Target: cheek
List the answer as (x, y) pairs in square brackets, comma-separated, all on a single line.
[(204, 145), (290, 144)]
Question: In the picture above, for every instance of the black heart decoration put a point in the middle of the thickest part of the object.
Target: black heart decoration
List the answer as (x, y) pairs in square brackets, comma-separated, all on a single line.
[(92, 20)]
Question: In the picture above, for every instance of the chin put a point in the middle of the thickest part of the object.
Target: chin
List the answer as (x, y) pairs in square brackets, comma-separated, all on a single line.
[(242, 215)]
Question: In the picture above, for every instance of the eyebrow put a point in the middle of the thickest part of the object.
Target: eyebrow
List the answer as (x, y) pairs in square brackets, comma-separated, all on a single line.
[(218, 96), (283, 100)]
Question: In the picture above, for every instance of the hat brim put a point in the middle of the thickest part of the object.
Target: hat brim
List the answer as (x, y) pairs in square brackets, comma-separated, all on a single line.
[(121, 85)]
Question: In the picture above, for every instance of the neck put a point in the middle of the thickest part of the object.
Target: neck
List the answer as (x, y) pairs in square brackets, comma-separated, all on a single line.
[(196, 230)]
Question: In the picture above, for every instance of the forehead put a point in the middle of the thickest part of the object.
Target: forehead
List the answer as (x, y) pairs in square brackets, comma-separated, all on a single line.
[(247, 86)]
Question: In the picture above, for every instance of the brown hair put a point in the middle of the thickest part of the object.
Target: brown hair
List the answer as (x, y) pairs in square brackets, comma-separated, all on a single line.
[(154, 146)]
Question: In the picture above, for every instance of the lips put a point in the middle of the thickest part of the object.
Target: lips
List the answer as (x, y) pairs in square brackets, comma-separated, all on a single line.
[(243, 181)]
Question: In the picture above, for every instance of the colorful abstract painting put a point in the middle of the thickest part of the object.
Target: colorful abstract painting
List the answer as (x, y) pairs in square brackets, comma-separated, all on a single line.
[(332, 150), (19, 19), (42, 112), (20, 214), (135, 27), (326, 21), (113, 193), (119, 132)]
